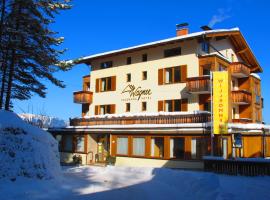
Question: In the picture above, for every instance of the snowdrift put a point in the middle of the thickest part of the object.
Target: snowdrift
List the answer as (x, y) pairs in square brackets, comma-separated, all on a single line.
[(26, 150)]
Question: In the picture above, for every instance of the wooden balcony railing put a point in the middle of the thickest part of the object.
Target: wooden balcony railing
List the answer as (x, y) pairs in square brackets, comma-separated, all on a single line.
[(242, 120), (239, 70), (241, 97), (198, 84), (166, 119), (83, 97)]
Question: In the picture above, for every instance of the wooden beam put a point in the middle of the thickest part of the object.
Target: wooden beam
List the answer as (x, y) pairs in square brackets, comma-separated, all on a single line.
[(242, 50)]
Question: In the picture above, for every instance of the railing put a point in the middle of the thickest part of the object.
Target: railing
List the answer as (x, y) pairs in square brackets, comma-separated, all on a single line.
[(242, 120), (173, 119), (198, 84), (83, 97), (241, 97), (243, 167), (239, 70)]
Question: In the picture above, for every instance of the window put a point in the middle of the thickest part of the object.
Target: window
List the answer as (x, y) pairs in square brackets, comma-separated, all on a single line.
[(172, 52), (168, 75), (79, 144), (207, 106), (172, 75), (144, 75), (128, 60), (205, 47), (168, 106), (206, 71), (257, 96), (105, 109), (127, 107), (106, 64), (128, 77), (106, 84), (144, 106), (257, 115), (68, 143), (157, 147), (221, 68), (144, 57), (138, 146), (59, 140), (122, 145), (177, 148), (175, 105), (199, 147)]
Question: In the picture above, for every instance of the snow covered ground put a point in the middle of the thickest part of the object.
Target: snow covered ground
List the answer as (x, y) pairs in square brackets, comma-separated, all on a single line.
[(136, 183)]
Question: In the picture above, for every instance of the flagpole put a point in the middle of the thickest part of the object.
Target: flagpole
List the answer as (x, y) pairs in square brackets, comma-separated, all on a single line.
[(212, 121)]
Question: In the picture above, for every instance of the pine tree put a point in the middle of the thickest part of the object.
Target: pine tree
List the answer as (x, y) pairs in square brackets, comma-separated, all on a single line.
[(29, 51)]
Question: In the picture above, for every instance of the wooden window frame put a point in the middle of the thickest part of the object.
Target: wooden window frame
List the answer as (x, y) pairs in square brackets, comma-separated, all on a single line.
[(128, 77), (110, 79), (128, 146), (156, 157), (144, 57), (129, 60), (110, 64), (162, 75), (183, 103), (98, 108), (145, 149), (144, 108), (128, 106), (144, 75), (167, 53)]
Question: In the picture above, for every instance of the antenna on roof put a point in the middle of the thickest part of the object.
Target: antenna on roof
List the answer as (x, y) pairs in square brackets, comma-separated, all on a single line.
[(206, 28), (180, 26)]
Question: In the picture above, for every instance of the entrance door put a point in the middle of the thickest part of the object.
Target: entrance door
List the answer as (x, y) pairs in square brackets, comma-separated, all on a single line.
[(102, 148)]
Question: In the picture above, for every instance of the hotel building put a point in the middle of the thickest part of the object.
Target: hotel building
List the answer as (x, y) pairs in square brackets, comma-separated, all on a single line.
[(150, 105)]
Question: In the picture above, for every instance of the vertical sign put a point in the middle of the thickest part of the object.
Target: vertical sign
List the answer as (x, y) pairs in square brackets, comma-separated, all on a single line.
[(220, 102)]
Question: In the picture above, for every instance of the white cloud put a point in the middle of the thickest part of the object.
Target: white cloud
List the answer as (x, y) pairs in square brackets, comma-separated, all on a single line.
[(222, 15)]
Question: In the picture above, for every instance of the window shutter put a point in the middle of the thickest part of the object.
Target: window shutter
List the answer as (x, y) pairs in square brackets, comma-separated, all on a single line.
[(96, 110), (113, 83), (160, 105), (183, 73), (184, 105), (112, 109), (97, 85), (160, 77)]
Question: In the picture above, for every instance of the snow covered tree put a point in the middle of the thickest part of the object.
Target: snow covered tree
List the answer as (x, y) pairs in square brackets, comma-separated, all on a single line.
[(29, 48)]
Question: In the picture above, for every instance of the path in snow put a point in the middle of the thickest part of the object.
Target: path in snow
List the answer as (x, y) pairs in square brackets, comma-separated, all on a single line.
[(136, 183)]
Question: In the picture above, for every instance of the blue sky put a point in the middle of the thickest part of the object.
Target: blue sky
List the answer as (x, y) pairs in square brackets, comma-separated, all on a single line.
[(101, 25)]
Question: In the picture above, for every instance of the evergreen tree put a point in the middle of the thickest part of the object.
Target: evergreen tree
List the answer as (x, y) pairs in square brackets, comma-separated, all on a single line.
[(29, 48)]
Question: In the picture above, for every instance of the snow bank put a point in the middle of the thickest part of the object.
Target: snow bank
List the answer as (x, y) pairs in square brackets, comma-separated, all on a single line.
[(26, 150)]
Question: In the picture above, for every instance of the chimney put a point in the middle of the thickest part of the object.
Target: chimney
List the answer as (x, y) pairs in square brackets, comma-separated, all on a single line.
[(182, 29)]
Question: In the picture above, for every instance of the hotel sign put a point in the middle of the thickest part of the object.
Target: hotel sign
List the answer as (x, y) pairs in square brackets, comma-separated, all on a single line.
[(136, 93), (220, 102)]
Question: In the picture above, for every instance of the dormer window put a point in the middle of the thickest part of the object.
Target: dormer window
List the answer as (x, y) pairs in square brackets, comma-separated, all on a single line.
[(205, 47)]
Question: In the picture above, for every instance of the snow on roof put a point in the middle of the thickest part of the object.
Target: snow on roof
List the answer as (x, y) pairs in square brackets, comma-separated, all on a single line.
[(182, 37), (146, 114), (255, 75)]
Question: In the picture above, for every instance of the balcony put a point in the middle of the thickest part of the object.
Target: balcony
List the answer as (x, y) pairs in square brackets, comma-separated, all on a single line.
[(83, 97), (239, 70), (161, 119), (199, 85), (241, 97), (242, 120)]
